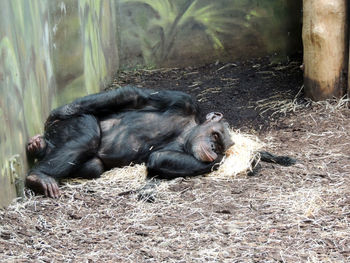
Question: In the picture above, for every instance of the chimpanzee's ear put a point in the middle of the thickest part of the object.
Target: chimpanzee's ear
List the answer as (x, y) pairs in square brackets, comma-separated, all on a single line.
[(214, 116)]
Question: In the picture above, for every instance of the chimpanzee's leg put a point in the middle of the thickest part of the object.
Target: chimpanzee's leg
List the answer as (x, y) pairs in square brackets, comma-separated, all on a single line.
[(80, 144), (91, 169)]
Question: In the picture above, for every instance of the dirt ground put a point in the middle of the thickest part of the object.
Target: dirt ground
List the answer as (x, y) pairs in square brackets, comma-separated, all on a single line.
[(282, 214)]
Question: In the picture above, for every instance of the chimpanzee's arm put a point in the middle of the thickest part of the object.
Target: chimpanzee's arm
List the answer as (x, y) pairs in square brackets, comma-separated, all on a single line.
[(281, 160), (124, 98), (172, 164)]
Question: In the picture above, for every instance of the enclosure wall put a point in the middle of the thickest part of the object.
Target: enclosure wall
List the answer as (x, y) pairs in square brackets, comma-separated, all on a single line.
[(50, 53), (191, 32)]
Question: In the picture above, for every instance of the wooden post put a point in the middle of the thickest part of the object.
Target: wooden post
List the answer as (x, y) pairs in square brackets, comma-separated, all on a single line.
[(348, 50), (325, 48)]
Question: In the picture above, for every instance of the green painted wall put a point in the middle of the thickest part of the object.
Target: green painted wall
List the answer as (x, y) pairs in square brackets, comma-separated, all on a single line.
[(188, 32), (50, 53)]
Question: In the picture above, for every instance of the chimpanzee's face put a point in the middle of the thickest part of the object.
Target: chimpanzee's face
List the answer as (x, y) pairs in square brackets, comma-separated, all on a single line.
[(209, 140)]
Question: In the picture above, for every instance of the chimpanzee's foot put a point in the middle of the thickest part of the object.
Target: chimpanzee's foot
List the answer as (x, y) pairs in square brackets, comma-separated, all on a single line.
[(147, 195), (43, 184), (148, 192), (36, 146)]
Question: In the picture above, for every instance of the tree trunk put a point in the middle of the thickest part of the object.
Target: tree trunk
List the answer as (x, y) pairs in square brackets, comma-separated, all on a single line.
[(348, 50), (325, 48)]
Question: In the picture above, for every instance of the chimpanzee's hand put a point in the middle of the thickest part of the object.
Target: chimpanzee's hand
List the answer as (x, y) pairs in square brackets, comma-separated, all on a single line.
[(43, 184)]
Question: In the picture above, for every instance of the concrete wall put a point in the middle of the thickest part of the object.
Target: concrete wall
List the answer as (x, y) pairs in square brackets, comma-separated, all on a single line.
[(52, 51)]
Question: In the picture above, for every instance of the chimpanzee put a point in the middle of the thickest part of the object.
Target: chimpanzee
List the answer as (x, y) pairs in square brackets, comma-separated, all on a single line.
[(127, 125)]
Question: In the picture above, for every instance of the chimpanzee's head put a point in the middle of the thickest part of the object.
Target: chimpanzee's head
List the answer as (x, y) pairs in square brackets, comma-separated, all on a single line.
[(209, 140)]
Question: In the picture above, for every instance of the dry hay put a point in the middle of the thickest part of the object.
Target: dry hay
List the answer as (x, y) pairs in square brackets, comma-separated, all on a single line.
[(239, 158), (286, 103), (284, 214), (281, 104)]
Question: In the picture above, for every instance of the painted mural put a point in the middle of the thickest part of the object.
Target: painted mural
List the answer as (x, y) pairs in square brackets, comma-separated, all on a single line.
[(50, 53), (184, 32)]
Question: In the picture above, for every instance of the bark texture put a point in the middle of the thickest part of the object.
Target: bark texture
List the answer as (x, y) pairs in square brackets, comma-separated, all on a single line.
[(348, 25), (325, 48)]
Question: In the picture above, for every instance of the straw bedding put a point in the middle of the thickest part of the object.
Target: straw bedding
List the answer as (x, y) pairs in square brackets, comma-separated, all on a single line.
[(282, 214)]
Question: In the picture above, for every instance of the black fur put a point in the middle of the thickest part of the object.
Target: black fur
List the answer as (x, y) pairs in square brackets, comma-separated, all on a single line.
[(129, 125)]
